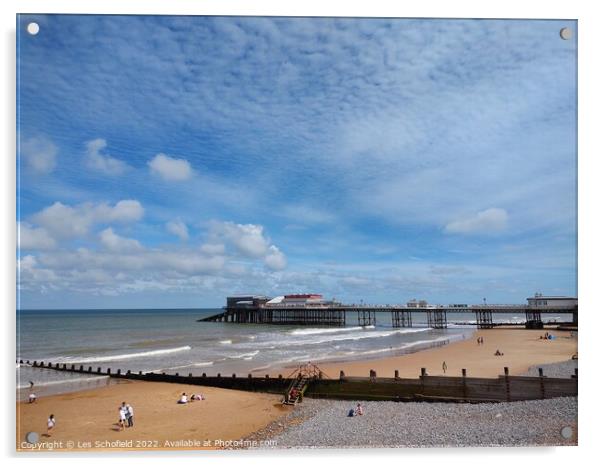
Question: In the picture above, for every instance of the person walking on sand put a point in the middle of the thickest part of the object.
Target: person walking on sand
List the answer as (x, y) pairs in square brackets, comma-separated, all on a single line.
[(50, 424), (129, 414), (444, 366)]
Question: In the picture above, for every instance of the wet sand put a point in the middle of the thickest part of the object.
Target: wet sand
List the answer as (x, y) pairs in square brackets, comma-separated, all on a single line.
[(521, 348)]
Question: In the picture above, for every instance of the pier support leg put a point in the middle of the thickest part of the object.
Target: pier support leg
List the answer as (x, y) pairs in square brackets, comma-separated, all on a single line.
[(365, 318), (533, 318), (401, 319), (437, 318), (484, 318)]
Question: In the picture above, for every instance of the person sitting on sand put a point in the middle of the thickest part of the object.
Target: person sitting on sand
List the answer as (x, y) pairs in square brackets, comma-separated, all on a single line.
[(498, 353), (32, 397), (197, 397), (351, 413), (183, 399), (50, 424), (359, 410)]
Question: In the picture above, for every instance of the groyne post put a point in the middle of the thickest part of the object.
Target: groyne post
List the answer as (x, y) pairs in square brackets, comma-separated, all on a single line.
[(507, 383)]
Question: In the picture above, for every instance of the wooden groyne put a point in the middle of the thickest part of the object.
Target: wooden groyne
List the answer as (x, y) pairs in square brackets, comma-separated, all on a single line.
[(424, 388)]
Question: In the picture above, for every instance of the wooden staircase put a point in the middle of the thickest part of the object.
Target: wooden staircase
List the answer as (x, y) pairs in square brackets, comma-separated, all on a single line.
[(302, 377), (295, 392)]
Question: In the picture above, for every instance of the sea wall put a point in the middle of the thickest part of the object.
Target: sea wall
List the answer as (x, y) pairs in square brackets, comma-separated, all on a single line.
[(424, 388)]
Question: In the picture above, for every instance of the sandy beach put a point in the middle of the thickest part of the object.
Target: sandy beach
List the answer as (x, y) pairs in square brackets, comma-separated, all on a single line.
[(88, 419), (522, 349)]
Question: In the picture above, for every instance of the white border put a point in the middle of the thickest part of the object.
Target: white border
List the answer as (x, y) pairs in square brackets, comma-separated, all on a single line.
[(590, 78)]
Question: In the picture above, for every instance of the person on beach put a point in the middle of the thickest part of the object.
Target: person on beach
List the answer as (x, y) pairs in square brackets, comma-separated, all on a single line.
[(50, 424), (444, 366), (359, 410), (32, 397), (129, 414), (498, 353), (122, 416), (30, 385), (183, 399)]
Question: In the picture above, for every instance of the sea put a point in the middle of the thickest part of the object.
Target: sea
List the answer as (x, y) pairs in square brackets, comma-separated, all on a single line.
[(164, 340)]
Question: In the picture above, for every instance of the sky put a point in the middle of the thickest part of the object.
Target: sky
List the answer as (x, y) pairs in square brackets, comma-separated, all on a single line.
[(173, 161)]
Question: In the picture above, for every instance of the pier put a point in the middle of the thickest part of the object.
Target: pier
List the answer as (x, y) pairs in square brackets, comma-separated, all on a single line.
[(259, 310)]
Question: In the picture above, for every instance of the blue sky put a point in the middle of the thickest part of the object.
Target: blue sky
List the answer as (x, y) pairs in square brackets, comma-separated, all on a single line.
[(171, 161)]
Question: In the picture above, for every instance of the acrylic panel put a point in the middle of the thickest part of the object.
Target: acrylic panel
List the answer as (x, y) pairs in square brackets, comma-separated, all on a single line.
[(295, 232)]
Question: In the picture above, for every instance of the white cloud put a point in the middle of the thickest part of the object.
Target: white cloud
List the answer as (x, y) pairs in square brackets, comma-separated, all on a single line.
[(178, 227), (38, 154), (247, 239), (103, 162), (213, 248), (113, 242), (64, 221), (169, 168), (487, 221), (275, 260), (34, 238)]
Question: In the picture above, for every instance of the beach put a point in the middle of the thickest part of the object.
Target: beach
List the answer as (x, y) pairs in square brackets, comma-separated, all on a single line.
[(387, 424), (88, 419), (521, 349)]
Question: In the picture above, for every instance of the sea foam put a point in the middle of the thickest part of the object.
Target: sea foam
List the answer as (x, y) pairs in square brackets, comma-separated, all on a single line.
[(125, 356)]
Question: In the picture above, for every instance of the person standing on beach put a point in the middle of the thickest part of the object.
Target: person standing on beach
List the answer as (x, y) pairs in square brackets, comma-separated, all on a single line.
[(129, 414), (122, 416), (50, 424), (444, 366)]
